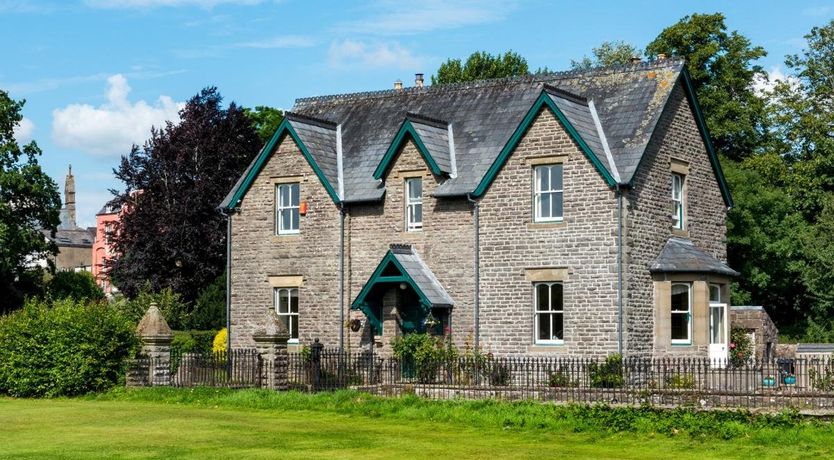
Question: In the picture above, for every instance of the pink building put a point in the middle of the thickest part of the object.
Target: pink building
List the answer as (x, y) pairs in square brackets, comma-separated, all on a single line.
[(102, 250)]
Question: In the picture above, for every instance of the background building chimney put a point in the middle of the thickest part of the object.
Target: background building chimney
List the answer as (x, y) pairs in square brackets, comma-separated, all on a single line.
[(634, 60), (418, 80), (661, 56), (398, 85)]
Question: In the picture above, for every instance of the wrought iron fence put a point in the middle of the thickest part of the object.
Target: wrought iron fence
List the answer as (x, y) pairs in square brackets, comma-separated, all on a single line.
[(800, 383), (236, 369)]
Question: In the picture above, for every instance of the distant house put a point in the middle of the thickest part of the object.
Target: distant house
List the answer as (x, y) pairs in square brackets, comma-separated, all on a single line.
[(74, 243), (106, 220), (578, 213)]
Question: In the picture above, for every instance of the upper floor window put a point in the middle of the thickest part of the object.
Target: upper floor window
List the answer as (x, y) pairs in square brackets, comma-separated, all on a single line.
[(287, 215), (286, 306), (549, 313), (681, 320), (548, 193), (414, 204), (678, 212)]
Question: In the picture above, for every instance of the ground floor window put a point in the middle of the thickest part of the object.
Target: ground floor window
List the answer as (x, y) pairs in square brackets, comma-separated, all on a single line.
[(681, 313), (286, 306), (549, 313)]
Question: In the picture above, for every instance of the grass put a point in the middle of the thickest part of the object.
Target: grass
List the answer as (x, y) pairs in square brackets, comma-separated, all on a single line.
[(208, 423)]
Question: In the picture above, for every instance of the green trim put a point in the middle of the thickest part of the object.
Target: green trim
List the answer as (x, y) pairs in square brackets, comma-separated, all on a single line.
[(702, 127), (284, 128), (405, 129), (544, 100), (361, 300)]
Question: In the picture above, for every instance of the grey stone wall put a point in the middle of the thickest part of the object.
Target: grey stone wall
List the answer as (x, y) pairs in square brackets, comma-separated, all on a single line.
[(649, 218), (756, 321), (585, 244), (257, 253)]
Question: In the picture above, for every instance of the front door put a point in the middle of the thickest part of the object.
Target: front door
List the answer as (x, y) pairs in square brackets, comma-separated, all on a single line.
[(717, 328)]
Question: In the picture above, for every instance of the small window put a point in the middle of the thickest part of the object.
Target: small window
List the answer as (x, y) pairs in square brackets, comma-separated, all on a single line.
[(678, 212), (549, 314), (287, 215), (548, 193), (681, 313), (414, 204), (286, 306)]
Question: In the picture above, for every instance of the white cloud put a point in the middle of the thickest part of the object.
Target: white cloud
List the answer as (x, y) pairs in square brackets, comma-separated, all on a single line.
[(396, 18), (349, 53), (24, 130), (49, 84), (148, 4), (764, 85), (113, 127), (286, 41)]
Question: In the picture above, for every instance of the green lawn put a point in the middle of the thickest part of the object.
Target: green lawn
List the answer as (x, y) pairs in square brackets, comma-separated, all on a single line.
[(146, 425)]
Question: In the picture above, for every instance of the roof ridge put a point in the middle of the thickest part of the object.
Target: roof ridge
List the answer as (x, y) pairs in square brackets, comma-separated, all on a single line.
[(437, 122), (556, 91), (293, 116), (528, 78)]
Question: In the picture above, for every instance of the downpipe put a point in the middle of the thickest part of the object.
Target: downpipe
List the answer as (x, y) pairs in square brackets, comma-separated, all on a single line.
[(477, 305)]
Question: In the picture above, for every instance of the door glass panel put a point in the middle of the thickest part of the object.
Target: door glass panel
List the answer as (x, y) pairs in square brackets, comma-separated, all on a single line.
[(716, 320)]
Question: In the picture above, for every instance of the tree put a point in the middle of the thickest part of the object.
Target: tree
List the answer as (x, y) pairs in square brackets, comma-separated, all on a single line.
[(172, 235), (80, 286), (480, 66), (723, 74), (607, 54), (29, 201), (265, 120)]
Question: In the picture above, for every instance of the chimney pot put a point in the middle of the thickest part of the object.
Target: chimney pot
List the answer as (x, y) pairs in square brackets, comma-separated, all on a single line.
[(418, 80), (398, 85), (634, 60), (661, 56)]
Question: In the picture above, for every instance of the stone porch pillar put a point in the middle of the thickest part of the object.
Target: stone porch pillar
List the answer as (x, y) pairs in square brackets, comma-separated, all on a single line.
[(156, 337), (271, 339)]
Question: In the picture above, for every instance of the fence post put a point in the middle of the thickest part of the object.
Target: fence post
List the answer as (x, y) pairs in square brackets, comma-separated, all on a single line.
[(271, 341), (315, 359), (156, 337)]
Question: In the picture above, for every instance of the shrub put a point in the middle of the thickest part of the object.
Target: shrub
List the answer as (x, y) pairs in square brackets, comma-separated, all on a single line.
[(422, 355), (560, 379), (608, 374), (498, 373), (63, 348), (218, 345), (740, 347), (193, 342), (210, 307), (680, 381), (74, 285), (169, 302)]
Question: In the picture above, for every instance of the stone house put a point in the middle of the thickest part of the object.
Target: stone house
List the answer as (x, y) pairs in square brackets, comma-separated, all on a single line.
[(577, 213)]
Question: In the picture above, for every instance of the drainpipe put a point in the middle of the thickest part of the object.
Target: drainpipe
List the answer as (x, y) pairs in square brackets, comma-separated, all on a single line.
[(342, 277), (228, 214), (477, 224), (619, 194)]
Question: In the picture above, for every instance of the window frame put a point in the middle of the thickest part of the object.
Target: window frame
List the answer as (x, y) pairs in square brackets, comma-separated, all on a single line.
[(538, 192), (537, 313), (276, 293), (717, 303), (687, 313), (679, 201), (281, 208), (413, 203)]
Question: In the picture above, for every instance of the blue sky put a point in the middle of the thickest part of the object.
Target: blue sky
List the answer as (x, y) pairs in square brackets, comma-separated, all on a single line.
[(97, 74)]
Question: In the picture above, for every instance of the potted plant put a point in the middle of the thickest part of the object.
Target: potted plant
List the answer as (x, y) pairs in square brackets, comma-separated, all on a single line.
[(789, 379), (769, 381)]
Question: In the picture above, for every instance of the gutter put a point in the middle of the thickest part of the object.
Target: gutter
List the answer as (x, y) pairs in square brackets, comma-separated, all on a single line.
[(619, 194), (477, 305), (341, 277)]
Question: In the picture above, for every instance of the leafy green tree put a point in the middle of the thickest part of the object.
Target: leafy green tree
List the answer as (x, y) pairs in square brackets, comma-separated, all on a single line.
[(480, 65), (75, 285), (607, 54), (210, 307), (723, 72), (29, 201), (265, 120)]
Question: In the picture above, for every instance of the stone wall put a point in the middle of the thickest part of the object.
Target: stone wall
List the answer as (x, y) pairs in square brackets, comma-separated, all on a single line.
[(583, 246), (649, 220), (758, 323), (313, 254)]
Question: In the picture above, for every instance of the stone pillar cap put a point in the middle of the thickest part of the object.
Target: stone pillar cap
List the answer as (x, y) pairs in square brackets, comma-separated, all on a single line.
[(272, 327), (153, 324)]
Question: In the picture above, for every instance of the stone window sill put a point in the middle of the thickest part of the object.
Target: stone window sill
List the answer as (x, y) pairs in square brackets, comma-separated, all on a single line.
[(545, 225), (680, 233), (555, 348)]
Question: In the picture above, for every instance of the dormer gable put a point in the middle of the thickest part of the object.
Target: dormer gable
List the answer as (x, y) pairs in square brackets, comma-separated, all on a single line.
[(433, 139)]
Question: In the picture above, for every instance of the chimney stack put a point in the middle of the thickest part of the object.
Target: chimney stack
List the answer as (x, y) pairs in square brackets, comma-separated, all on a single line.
[(634, 60), (661, 56), (418, 80), (398, 85)]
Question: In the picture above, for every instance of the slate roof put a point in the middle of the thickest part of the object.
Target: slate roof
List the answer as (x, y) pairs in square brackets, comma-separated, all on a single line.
[(681, 255), (614, 110), (77, 238), (817, 348), (422, 275)]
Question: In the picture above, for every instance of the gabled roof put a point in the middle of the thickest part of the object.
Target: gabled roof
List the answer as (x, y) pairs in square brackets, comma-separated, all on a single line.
[(680, 255), (431, 137), (402, 264), (75, 238), (611, 112)]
